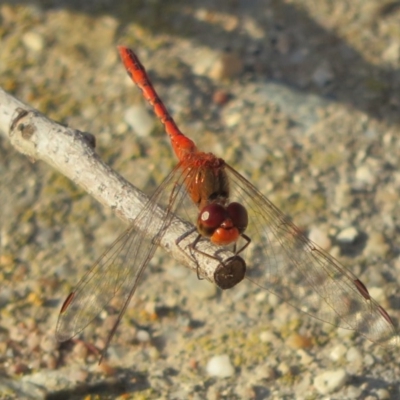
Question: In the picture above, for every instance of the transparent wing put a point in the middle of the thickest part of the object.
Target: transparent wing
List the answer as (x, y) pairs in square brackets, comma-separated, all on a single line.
[(289, 265), (118, 270)]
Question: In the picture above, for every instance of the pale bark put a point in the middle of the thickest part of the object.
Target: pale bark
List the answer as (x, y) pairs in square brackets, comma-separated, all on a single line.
[(72, 153)]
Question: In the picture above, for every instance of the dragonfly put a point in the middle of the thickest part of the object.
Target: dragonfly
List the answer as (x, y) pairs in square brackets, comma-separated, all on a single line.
[(230, 213)]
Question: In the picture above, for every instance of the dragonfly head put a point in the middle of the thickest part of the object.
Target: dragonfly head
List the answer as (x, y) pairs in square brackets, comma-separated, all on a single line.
[(222, 224)]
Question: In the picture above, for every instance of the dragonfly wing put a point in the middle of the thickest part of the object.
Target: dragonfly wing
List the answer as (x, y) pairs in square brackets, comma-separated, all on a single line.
[(292, 267), (117, 271)]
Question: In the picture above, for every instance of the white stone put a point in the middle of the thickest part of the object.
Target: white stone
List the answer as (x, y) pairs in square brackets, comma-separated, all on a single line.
[(138, 118), (33, 41), (392, 53), (220, 366), (201, 288), (347, 235), (354, 355), (283, 368), (383, 394), (369, 360), (365, 176), (267, 337), (142, 335), (354, 358), (376, 245), (330, 381), (305, 358), (303, 386), (338, 352), (320, 237), (377, 293)]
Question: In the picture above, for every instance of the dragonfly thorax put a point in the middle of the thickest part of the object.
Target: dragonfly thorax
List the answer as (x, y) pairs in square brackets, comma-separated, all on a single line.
[(207, 182)]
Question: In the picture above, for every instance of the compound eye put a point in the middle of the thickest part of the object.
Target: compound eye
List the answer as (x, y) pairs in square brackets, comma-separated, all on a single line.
[(212, 216), (238, 214)]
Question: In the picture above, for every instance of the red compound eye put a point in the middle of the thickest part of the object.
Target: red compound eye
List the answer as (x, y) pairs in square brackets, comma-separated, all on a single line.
[(212, 216), (238, 214)]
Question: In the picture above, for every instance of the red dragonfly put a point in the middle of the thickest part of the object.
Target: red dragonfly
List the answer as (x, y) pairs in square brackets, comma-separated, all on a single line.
[(233, 214)]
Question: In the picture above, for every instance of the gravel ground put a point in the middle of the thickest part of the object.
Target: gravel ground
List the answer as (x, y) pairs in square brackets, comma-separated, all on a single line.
[(301, 97)]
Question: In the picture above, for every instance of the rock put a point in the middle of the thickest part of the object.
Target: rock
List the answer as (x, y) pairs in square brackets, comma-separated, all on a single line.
[(138, 118), (201, 288), (142, 336), (347, 235), (228, 66), (338, 352), (330, 381), (320, 237), (376, 245), (220, 366), (33, 41)]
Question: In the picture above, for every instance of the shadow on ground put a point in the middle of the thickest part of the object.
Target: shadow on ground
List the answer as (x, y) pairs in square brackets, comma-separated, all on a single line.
[(373, 89)]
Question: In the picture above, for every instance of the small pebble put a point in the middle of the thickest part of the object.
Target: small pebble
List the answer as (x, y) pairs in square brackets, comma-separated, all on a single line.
[(273, 300), (193, 364), (232, 119), (150, 308), (202, 289), (261, 297), (138, 118), (228, 66), (376, 245), (364, 176), (220, 97), (347, 235), (80, 350), (49, 342), (343, 196), (33, 41), (78, 375), (378, 294), (220, 366), (383, 394), (392, 53), (50, 361), (354, 355), (338, 352), (106, 369), (320, 237), (33, 341), (264, 372), (16, 333), (305, 358), (330, 381), (304, 385), (369, 360), (297, 341), (142, 336), (213, 393), (354, 392), (354, 358), (283, 368), (268, 337)]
